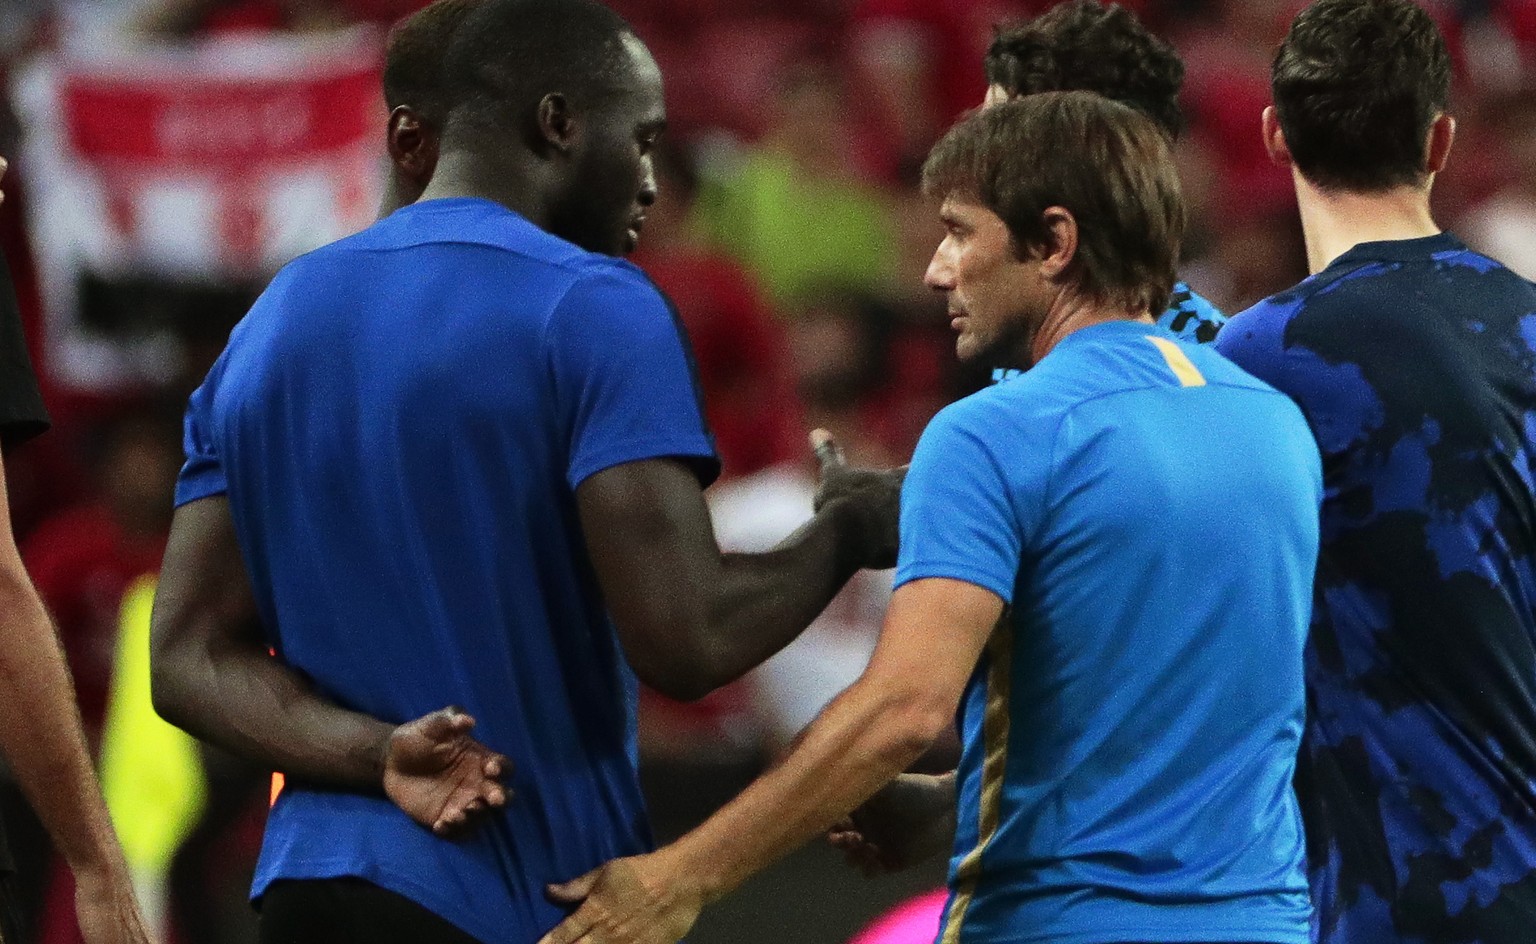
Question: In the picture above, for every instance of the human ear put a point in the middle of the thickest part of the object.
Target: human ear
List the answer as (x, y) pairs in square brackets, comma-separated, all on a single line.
[(1274, 138), (557, 126), (1442, 134), (412, 142), (1061, 248)]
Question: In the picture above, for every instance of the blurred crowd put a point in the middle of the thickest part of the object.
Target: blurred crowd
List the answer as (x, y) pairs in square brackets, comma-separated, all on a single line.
[(790, 233)]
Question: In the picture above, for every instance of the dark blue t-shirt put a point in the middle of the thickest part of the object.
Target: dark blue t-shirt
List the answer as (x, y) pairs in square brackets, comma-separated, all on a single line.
[(400, 424), (1415, 365)]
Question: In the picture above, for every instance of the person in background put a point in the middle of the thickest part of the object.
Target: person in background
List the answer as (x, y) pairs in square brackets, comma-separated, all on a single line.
[(40, 732), (1411, 357), (1088, 46)]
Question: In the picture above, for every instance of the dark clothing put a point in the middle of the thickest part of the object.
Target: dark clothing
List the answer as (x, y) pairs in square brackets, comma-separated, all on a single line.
[(21, 405), (1414, 362), (348, 910)]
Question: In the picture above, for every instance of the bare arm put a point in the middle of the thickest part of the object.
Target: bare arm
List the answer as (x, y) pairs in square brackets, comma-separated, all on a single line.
[(934, 633), (692, 618), (41, 736), (212, 676)]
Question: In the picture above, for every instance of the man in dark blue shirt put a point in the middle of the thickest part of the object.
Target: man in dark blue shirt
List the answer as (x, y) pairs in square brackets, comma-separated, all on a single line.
[(448, 448), (1414, 361)]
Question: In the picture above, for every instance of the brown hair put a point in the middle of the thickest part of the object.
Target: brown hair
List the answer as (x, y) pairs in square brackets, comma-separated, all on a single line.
[(1357, 84), (1106, 163)]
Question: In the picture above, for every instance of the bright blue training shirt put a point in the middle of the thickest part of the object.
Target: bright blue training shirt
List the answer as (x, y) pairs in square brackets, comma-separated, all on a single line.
[(400, 424), (1149, 513)]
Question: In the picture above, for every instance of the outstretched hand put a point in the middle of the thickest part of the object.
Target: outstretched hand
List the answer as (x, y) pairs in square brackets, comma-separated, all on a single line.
[(874, 495), (440, 776), (639, 900)]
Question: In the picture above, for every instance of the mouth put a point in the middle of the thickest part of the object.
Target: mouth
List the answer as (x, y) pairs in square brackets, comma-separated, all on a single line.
[(957, 320)]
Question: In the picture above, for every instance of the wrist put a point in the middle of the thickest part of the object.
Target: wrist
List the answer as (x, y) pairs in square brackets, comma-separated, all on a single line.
[(697, 868), (849, 530)]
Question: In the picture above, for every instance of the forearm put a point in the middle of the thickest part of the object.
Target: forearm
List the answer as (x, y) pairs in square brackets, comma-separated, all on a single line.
[(254, 706), (859, 743), (764, 601), (40, 732)]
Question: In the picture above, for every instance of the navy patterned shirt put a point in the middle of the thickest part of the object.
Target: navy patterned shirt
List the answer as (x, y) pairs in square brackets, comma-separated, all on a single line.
[(1415, 364)]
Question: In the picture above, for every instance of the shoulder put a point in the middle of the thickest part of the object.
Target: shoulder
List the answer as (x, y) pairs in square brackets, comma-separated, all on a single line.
[(1191, 317), (612, 291)]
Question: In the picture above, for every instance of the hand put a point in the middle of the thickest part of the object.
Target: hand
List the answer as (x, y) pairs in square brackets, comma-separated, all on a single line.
[(3, 166), (911, 820), (106, 908), (874, 496), (639, 900), (440, 776)]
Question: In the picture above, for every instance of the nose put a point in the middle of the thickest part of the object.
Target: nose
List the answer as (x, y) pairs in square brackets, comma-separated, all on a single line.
[(648, 190), (941, 270)]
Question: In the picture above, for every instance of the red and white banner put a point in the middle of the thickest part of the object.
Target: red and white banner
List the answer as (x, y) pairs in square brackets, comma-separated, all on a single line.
[(204, 165)]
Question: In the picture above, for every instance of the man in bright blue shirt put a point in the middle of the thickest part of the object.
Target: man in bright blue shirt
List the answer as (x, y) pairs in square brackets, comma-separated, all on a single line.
[(1089, 46), (447, 449), (1131, 714), (1412, 358)]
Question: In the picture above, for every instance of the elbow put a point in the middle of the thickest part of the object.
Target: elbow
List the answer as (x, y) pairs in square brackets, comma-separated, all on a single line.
[(167, 691), (911, 722), (679, 680)]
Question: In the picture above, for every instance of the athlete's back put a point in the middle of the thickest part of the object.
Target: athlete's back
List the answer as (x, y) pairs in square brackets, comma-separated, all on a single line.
[(1130, 736), (1415, 363), (401, 423)]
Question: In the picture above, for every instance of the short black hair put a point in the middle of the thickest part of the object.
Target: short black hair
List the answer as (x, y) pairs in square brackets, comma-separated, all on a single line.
[(1107, 163), (1357, 84), (1087, 46), (413, 57), (509, 54)]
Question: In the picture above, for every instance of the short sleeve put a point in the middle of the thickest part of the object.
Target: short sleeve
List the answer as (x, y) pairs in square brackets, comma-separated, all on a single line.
[(22, 415), (625, 384), (203, 473), (958, 516)]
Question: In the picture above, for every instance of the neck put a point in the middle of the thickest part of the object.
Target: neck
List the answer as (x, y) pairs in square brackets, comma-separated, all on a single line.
[(1335, 221), (1072, 312), (520, 183)]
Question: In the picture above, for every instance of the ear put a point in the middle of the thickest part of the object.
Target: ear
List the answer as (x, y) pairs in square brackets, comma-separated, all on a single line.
[(1058, 253), (1442, 134), (1274, 139), (557, 125), (413, 143)]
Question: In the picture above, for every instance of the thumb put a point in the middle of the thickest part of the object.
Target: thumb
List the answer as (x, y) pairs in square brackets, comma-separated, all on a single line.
[(577, 889), (827, 451)]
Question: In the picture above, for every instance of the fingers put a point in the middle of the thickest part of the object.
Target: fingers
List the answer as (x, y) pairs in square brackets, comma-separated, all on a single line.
[(572, 929), (496, 765), (577, 889), (827, 451)]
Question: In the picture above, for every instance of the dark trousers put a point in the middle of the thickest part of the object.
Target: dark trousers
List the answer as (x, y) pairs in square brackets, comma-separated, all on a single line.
[(349, 911)]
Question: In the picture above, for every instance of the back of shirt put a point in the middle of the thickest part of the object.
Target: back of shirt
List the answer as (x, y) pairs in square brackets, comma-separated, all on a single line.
[(400, 425), (1131, 731), (1415, 364)]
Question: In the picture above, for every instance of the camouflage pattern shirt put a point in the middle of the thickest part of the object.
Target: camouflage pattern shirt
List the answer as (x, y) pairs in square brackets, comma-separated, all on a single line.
[(1415, 364)]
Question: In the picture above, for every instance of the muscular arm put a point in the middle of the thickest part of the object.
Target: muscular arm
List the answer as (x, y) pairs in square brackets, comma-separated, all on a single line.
[(692, 618), (212, 674)]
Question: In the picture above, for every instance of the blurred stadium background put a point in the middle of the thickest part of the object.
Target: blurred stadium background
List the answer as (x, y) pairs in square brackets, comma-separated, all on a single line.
[(168, 155)]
